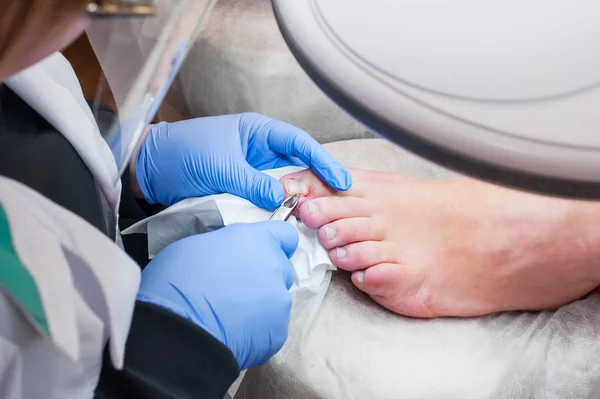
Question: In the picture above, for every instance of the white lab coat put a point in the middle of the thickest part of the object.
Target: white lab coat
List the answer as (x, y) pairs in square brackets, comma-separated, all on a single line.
[(86, 283)]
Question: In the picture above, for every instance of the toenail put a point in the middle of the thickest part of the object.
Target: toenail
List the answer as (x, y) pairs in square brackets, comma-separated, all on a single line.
[(312, 207), (341, 253), (292, 187), (330, 232), (295, 187), (359, 276)]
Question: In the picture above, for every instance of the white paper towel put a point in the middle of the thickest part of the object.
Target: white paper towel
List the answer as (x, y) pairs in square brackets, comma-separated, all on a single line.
[(311, 261)]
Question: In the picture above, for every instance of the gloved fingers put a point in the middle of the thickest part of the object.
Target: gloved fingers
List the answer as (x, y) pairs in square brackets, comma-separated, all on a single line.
[(279, 335), (262, 190), (289, 275), (284, 234), (289, 140), (285, 160), (279, 161)]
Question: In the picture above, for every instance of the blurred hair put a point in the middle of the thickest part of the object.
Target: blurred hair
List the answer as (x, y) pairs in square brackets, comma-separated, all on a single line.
[(27, 23)]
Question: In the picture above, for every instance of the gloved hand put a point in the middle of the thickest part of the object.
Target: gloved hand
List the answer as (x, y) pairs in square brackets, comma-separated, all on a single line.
[(234, 283), (225, 154)]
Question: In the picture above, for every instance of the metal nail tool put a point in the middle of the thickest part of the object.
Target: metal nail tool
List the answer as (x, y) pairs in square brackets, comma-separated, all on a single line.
[(287, 207)]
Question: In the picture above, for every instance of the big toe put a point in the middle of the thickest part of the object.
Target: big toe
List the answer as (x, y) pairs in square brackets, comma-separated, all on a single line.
[(379, 280), (391, 285), (306, 184)]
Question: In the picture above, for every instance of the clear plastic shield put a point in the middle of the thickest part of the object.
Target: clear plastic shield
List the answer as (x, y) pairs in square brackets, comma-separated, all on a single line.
[(140, 58)]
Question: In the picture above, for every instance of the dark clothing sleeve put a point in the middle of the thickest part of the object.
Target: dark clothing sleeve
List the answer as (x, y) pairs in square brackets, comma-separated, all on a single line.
[(131, 211), (33, 153), (166, 355)]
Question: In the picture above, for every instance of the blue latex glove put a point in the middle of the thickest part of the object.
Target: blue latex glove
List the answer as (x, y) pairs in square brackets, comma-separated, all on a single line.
[(224, 154), (234, 283)]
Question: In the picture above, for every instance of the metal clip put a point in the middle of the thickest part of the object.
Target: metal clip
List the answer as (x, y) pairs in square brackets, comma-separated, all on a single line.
[(287, 207)]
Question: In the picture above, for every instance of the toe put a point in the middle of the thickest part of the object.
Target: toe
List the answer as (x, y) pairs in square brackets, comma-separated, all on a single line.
[(307, 184), (379, 280), (320, 211), (347, 231), (394, 287), (361, 255)]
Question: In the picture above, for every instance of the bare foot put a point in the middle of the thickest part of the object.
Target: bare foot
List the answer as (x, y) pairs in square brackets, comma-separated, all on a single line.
[(429, 248)]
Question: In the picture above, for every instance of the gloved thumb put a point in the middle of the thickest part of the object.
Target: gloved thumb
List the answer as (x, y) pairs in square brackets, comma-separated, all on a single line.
[(284, 233), (260, 189)]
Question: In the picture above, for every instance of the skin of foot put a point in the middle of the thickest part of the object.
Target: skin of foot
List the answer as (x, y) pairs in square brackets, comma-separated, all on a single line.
[(430, 248)]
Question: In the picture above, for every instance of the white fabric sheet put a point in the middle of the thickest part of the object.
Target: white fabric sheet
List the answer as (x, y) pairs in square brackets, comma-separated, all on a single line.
[(356, 349), (343, 345)]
